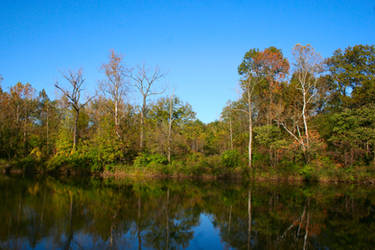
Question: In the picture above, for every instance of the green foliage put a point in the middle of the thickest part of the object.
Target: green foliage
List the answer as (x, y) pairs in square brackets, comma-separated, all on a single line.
[(149, 160), (230, 158), (309, 174), (77, 162), (353, 74)]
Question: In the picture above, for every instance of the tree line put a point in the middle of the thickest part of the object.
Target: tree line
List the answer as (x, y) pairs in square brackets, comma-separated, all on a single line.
[(302, 110)]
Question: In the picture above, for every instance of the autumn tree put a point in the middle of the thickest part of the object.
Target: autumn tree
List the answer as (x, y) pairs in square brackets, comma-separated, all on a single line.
[(273, 67)]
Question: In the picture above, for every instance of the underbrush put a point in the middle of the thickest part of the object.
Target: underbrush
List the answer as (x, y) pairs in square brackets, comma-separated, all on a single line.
[(195, 165)]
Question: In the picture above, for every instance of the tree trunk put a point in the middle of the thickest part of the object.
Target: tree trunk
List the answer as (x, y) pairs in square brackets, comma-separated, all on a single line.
[(75, 131), (305, 125), (250, 126), (143, 111), (170, 129), (231, 131), (117, 123)]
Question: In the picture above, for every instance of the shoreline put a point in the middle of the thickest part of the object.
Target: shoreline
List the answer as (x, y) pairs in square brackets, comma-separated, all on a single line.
[(260, 178), (359, 175)]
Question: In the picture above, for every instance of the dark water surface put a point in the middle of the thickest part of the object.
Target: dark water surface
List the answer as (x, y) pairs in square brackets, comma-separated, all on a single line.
[(176, 214)]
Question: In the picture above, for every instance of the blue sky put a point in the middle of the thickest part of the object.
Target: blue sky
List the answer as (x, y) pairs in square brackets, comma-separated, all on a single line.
[(199, 44)]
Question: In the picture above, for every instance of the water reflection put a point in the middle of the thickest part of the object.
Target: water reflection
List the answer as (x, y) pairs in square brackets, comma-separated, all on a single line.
[(110, 214)]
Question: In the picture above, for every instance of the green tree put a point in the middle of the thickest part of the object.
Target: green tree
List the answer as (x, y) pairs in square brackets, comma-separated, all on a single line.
[(352, 73)]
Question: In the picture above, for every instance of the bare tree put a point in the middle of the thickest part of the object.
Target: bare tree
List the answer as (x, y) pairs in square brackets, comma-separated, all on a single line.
[(144, 80), (115, 86), (73, 96)]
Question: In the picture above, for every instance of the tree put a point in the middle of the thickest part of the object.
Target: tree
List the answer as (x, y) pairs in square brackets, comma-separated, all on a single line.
[(144, 80), (76, 80), (249, 69), (352, 134), (115, 86), (273, 67), (353, 76), (23, 103), (227, 115), (47, 122), (169, 114), (308, 67)]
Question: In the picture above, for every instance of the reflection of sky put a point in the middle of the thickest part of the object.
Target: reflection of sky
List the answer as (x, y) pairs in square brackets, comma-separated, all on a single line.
[(206, 236)]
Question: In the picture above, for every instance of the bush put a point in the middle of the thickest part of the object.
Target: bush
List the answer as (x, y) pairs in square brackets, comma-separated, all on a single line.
[(74, 163), (309, 173), (230, 159), (146, 160)]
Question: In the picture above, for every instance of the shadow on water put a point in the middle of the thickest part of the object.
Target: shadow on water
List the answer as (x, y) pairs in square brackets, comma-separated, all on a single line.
[(169, 214)]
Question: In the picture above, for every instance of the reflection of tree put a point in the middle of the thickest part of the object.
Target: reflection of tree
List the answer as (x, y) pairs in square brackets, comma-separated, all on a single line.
[(301, 223), (172, 224), (70, 232), (163, 214), (250, 221)]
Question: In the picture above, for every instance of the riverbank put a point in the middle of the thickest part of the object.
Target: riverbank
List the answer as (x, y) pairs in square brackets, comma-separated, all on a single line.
[(204, 170), (356, 175)]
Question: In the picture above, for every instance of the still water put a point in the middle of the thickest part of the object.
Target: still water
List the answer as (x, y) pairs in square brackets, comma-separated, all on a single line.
[(178, 214)]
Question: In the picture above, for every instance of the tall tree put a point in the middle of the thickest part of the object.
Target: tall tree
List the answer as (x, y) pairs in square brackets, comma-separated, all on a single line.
[(144, 80), (115, 86), (249, 70), (273, 67), (23, 103)]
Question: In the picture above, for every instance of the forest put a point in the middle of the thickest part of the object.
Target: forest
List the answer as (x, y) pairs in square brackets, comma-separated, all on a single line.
[(304, 117)]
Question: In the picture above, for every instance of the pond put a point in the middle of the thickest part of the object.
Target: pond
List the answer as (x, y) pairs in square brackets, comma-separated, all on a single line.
[(91, 213)]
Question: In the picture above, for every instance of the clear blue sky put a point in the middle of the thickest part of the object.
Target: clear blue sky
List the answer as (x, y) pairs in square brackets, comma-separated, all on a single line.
[(199, 43)]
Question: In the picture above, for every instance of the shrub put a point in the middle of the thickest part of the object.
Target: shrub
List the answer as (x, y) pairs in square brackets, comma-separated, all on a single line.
[(145, 159), (230, 158)]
